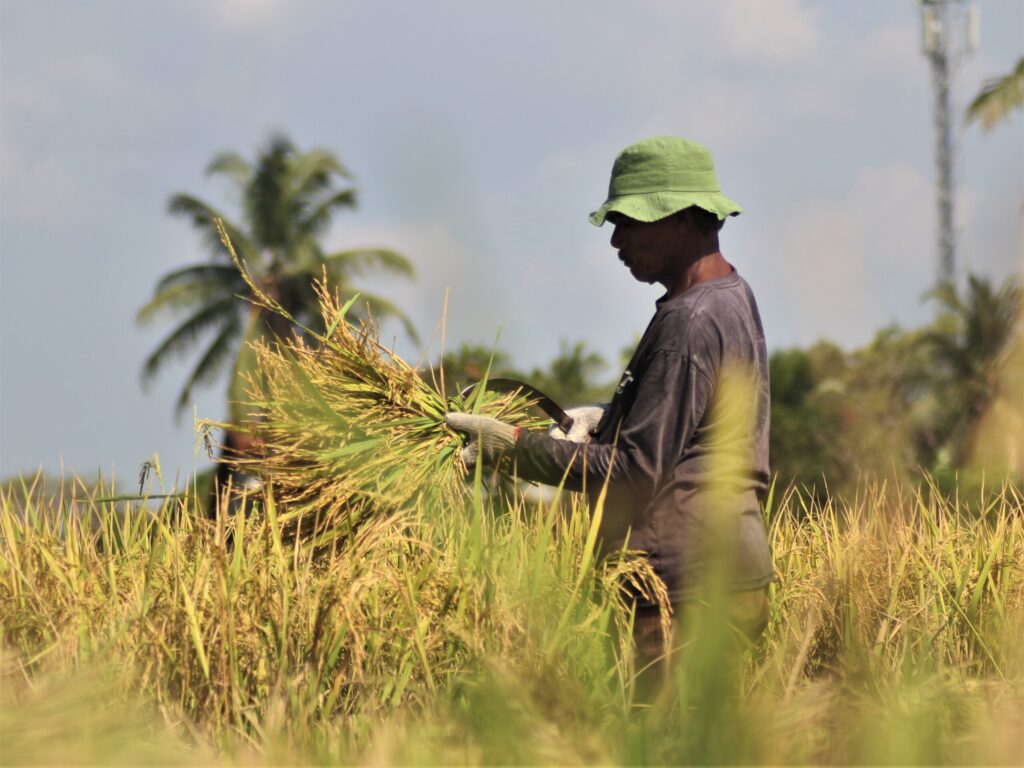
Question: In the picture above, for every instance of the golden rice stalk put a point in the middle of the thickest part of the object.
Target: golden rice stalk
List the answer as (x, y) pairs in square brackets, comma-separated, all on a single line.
[(348, 429)]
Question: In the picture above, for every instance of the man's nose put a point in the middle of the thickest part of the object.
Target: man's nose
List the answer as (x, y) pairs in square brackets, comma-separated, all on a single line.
[(616, 237)]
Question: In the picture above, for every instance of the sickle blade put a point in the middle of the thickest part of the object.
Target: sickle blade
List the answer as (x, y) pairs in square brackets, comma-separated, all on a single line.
[(545, 403)]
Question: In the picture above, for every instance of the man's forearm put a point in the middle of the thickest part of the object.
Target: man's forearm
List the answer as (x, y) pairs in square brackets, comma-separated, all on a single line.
[(542, 459)]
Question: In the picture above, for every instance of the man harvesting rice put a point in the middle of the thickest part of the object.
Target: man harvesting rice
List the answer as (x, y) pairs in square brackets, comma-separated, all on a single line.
[(684, 452)]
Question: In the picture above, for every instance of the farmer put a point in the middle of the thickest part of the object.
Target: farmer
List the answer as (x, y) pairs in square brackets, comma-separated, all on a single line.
[(686, 463)]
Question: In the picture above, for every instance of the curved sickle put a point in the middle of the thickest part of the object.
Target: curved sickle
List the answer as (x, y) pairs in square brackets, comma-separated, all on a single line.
[(545, 403)]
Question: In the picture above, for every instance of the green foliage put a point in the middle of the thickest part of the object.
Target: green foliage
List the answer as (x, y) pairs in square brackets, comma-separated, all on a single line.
[(570, 377), (998, 98), (792, 379), (470, 363), (970, 345), (909, 399), (806, 416)]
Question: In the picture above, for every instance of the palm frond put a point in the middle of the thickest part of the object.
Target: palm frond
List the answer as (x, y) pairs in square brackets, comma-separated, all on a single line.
[(232, 165), (268, 202), (203, 216), (175, 298), (279, 145), (998, 98), (311, 171), (208, 274), (946, 294), (211, 364), (304, 256), (224, 311), (357, 262), (948, 351), (314, 222), (989, 316)]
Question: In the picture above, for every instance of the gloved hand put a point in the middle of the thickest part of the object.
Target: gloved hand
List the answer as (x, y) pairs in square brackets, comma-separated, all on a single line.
[(585, 419), (489, 435)]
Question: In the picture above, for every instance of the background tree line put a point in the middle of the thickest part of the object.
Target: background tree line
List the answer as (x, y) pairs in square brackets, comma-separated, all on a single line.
[(909, 400)]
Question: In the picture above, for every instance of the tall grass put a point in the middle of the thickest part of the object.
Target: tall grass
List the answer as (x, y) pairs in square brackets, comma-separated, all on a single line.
[(486, 632)]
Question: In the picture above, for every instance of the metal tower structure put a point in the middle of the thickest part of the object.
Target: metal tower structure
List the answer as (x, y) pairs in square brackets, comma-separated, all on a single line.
[(949, 31)]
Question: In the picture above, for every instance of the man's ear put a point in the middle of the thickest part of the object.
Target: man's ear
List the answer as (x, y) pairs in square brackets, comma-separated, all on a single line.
[(684, 220)]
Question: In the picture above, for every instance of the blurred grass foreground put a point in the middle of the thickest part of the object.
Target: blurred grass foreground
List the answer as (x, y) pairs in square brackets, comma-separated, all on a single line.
[(485, 632)]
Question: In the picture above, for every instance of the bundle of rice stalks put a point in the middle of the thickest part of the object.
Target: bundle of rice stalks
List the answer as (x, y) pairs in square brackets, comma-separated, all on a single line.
[(347, 429)]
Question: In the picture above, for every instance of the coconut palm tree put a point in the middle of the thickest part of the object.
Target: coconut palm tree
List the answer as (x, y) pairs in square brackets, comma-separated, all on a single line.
[(970, 344), (288, 198)]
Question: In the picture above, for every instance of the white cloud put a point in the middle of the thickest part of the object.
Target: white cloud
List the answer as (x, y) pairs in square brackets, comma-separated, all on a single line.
[(243, 14), (891, 51), (780, 31), (33, 189), (532, 303), (766, 31), (732, 113), (96, 73), (829, 88), (442, 262), (989, 242), (24, 96), (585, 295), (794, 68), (841, 269), (50, 86)]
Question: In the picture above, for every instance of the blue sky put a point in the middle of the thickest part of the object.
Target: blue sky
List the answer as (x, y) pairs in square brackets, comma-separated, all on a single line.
[(481, 135)]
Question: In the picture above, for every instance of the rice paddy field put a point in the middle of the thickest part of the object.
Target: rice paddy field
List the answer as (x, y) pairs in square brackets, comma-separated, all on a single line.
[(486, 632)]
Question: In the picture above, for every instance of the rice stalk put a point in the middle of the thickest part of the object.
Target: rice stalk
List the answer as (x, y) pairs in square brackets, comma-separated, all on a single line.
[(347, 429)]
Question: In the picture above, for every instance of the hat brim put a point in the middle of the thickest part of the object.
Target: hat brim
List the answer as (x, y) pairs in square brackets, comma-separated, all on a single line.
[(657, 205)]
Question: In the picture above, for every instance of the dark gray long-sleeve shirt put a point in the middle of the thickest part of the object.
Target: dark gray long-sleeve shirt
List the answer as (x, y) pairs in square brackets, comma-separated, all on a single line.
[(684, 444)]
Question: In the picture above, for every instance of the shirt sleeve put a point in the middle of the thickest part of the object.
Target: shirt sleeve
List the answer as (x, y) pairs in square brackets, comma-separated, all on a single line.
[(671, 397)]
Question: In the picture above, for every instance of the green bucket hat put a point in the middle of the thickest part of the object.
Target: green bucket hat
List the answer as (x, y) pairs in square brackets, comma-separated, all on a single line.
[(656, 177)]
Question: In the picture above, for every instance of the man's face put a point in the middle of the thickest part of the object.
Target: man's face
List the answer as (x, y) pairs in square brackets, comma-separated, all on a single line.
[(651, 251)]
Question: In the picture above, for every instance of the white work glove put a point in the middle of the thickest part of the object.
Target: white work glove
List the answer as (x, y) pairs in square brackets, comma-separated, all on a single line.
[(585, 419), (489, 435)]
